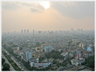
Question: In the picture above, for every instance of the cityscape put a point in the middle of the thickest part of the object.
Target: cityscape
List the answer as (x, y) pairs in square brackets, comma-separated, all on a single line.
[(67, 46)]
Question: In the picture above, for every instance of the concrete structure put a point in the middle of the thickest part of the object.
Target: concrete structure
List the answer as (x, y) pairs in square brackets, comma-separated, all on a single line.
[(77, 62), (64, 54), (27, 55), (87, 54), (21, 31), (38, 65), (89, 49), (27, 31), (24, 31), (48, 48), (38, 49), (15, 48), (18, 52), (82, 45), (78, 55), (45, 63)]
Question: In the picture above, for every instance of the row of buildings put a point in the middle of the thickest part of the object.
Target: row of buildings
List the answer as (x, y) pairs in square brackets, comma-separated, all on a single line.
[(29, 55)]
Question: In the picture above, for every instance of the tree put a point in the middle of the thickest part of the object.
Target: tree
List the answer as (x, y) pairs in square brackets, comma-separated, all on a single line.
[(6, 67), (3, 60), (90, 62)]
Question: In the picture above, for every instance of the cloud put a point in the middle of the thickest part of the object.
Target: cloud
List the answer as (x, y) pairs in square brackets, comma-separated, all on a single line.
[(74, 9), (10, 5), (35, 10), (34, 7)]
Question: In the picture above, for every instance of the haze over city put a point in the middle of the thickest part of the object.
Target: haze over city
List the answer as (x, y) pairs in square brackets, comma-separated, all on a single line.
[(48, 36), (47, 15)]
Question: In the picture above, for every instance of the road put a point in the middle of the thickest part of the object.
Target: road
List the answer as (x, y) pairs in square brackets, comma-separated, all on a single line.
[(11, 68), (20, 65)]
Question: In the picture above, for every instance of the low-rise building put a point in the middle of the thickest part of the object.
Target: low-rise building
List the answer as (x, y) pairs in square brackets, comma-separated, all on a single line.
[(89, 49), (82, 44), (77, 62), (35, 63), (15, 48), (87, 54), (39, 49), (18, 52), (44, 65), (65, 55)]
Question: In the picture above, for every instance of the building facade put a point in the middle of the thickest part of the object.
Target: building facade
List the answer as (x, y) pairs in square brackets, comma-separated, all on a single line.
[(48, 48)]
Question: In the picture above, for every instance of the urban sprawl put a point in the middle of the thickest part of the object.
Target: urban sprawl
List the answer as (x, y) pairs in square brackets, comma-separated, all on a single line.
[(49, 50)]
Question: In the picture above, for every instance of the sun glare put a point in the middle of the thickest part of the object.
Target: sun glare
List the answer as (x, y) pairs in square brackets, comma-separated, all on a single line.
[(45, 4)]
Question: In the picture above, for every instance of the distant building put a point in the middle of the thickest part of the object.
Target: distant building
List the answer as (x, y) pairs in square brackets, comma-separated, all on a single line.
[(78, 55), (24, 31), (65, 55), (38, 49), (78, 29), (89, 49), (27, 31), (71, 29), (39, 32), (81, 29), (21, 31), (33, 32), (71, 54), (87, 54), (90, 45), (82, 45), (48, 48)]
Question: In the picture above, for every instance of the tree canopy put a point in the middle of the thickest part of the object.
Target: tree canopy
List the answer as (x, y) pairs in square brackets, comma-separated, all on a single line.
[(3, 60), (6, 67)]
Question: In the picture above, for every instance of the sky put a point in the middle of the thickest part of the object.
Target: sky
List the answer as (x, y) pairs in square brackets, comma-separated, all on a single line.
[(47, 15)]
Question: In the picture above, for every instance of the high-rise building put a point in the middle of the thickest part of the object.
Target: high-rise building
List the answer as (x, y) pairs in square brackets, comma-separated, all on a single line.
[(27, 54), (21, 31), (27, 31), (24, 31), (39, 32), (33, 32), (71, 29), (78, 29)]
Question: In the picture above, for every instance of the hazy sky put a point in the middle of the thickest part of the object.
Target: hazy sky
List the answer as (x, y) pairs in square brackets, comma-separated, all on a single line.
[(48, 16)]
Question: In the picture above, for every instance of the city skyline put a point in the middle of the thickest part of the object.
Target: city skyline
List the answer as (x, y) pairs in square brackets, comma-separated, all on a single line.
[(47, 15)]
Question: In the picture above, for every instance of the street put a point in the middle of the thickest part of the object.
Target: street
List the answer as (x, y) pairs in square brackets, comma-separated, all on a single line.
[(20, 65), (11, 68)]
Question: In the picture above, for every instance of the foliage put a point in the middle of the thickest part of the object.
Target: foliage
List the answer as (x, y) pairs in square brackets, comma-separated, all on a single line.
[(15, 66), (54, 54), (3, 60), (6, 67), (90, 62)]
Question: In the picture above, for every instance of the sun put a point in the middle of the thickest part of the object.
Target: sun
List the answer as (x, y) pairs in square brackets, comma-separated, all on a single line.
[(45, 4)]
